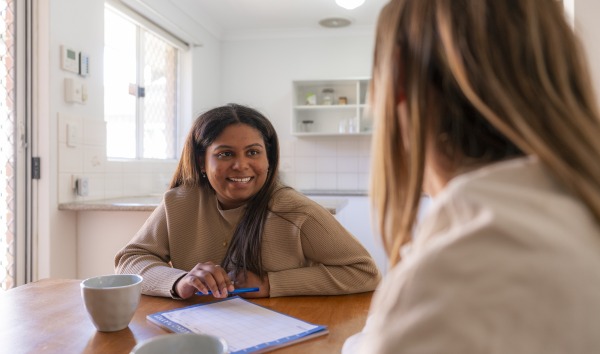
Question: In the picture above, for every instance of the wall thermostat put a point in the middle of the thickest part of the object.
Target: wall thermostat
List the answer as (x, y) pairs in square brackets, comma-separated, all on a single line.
[(69, 59)]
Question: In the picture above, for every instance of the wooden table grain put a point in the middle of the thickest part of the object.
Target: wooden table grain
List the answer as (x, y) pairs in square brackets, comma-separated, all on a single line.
[(48, 316)]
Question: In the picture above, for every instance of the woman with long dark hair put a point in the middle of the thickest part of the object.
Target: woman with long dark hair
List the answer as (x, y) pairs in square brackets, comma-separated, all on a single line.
[(227, 221)]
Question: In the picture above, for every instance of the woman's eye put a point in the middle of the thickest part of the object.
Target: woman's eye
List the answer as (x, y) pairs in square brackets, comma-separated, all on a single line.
[(224, 154), (253, 152)]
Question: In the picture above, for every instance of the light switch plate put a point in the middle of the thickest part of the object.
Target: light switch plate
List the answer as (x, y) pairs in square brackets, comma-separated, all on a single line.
[(72, 134), (72, 91)]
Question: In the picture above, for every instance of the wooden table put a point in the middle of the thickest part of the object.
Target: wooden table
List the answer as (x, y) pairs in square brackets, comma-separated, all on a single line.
[(48, 316)]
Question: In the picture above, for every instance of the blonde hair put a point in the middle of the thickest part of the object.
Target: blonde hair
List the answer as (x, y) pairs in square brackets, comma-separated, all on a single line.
[(495, 79)]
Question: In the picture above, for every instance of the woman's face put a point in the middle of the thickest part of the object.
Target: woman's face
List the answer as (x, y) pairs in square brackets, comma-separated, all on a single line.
[(236, 165)]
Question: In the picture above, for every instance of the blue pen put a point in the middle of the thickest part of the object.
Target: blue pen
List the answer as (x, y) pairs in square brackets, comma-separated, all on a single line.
[(234, 292)]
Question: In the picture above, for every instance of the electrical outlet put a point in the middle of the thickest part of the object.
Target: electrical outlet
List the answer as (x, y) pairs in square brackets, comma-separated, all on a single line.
[(82, 187)]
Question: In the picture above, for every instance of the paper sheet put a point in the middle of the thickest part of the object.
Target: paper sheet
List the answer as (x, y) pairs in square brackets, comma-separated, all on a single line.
[(245, 326)]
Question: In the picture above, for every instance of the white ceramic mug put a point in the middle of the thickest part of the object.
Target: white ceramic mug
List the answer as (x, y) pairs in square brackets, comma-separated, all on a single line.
[(182, 343), (111, 300)]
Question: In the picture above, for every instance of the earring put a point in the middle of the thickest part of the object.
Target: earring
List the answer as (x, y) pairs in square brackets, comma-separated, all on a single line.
[(203, 174)]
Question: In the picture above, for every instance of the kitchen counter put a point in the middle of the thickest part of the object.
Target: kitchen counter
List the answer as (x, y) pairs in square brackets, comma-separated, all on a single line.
[(335, 192), (141, 203), (332, 202)]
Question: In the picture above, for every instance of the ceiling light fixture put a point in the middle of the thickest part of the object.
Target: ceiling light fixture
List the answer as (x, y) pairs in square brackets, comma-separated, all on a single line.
[(335, 22), (349, 4)]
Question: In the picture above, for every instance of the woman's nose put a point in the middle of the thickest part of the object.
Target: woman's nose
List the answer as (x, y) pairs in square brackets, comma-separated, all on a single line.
[(239, 163)]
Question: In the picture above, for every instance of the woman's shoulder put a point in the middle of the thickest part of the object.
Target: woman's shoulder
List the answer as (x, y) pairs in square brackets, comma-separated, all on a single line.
[(499, 189), (513, 212), (288, 199), (185, 195)]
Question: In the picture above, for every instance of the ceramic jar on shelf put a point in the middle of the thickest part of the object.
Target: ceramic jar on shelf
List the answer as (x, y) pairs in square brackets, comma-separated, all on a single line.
[(327, 97)]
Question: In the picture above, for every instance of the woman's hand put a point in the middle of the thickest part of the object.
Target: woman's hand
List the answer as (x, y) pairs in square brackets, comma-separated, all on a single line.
[(204, 277), (251, 280)]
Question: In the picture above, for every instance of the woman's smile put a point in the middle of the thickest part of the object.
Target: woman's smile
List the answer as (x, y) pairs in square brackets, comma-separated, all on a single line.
[(240, 179)]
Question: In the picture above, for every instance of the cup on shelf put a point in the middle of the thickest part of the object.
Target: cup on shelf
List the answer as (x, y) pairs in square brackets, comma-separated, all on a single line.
[(343, 126), (111, 300), (347, 125), (352, 128), (306, 126)]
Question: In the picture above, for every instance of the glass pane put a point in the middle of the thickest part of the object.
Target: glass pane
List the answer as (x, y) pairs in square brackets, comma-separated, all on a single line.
[(120, 74), (7, 146), (160, 103)]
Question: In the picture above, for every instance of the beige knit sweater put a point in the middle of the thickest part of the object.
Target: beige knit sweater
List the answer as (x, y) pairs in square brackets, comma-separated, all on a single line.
[(306, 251)]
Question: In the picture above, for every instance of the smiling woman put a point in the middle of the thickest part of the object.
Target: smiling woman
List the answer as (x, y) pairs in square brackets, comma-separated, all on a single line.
[(227, 219), (236, 165)]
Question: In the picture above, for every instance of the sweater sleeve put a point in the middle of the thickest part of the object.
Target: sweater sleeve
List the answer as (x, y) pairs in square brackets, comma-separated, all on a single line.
[(148, 255), (337, 262)]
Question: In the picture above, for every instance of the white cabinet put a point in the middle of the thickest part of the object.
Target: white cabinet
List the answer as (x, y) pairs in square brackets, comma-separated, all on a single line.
[(330, 107), (356, 218), (100, 235)]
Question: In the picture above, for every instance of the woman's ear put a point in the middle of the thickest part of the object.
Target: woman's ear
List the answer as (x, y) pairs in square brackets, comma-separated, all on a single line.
[(200, 164)]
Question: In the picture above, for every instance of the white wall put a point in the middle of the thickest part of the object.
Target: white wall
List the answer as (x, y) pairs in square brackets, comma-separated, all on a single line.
[(109, 178), (56, 237), (260, 72), (587, 27)]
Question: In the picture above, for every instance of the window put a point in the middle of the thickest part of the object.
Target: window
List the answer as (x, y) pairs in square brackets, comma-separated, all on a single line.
[(140, 91)]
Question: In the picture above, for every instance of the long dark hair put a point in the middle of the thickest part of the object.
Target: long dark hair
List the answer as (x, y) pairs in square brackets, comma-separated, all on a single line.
[(244, 251)]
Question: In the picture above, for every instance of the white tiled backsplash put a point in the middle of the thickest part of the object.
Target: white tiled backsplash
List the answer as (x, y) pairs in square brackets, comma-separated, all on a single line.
[(319, 163), (333, 163), (107, 179)]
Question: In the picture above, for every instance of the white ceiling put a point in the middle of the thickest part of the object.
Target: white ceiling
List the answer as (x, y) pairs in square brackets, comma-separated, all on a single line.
[(234, 18)]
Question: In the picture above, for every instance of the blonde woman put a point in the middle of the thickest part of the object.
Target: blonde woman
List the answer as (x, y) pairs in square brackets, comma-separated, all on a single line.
[(486, 106)]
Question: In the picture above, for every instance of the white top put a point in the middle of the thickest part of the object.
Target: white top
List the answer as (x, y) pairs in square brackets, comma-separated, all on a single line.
[(505, 261)]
